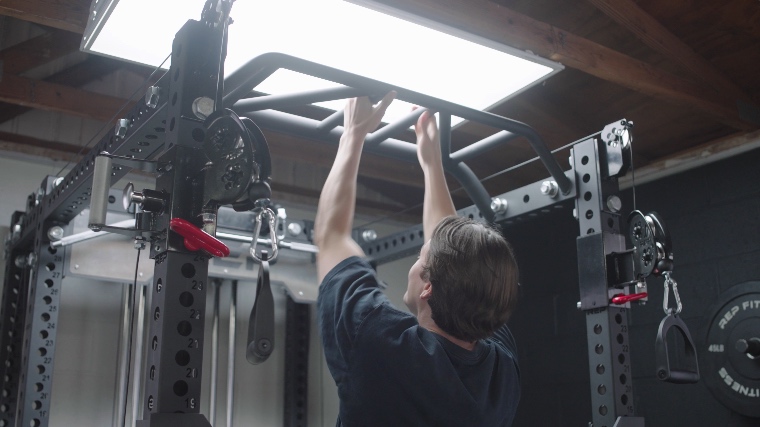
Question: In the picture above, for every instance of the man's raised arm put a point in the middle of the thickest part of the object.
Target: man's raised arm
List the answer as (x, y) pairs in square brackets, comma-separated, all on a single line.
[(437, 203), (335, 211)]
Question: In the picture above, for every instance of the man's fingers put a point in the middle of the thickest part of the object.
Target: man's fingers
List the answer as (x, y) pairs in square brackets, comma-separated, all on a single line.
[(385, 102)]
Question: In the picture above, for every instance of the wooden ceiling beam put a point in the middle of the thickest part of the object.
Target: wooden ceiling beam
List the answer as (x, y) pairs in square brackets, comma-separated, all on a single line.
[(38, 51), (94, 67), (497, 23), (56, 97), (629, 15), (27, 145), (69, 15)]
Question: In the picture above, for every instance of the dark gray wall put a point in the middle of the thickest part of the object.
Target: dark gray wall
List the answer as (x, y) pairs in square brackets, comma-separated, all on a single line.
[(712, 214)]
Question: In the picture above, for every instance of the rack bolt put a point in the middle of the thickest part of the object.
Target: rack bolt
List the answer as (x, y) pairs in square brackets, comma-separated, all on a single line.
[(369, 235), (499, 205), (121, 128), (614, 204), (152, 96), (139, 243), (203, 107), (20, 261), (549, 188), (295, 229), (55, 233)]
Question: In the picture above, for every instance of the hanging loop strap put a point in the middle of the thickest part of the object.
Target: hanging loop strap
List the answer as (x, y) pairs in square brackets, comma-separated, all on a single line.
[(261, 321), (263, 214)]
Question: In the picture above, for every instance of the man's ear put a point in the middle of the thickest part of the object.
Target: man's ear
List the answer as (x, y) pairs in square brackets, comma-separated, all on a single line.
[(427, 291)]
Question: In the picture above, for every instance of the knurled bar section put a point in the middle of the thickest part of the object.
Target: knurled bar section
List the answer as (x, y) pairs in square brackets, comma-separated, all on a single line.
[(13, 317), (40, 339), (297, 326), (175, 353)]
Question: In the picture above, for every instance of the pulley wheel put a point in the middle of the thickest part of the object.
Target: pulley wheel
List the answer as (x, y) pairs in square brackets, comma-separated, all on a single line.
[(731, 353), (230, 161), (641, 234)]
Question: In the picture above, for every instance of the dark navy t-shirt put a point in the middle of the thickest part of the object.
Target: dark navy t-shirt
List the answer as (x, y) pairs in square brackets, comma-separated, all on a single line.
[(391, 372)]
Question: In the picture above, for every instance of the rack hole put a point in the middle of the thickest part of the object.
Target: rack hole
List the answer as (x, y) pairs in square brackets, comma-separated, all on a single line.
[(180, 388), (188, 270), (184, 328), (182, 358), (186, 299)]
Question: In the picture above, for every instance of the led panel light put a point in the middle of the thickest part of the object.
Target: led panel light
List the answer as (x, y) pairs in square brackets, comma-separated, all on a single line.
[(452, 66)]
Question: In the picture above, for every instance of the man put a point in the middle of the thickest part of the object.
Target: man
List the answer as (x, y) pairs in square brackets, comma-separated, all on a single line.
[(452, 361)]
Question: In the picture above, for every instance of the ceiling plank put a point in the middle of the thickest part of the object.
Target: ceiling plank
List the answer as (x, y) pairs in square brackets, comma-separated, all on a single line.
[(23, 144), (495, 22), (38, 51), (655, 35), (93, 68), (69, 15), (56, 97)]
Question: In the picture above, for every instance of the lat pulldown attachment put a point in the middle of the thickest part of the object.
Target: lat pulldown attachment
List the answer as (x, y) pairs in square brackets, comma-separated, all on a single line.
[(689, 373), (261, 321)]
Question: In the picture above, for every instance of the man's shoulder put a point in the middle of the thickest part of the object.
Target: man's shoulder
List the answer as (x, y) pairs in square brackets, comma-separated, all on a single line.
[(347, 268)]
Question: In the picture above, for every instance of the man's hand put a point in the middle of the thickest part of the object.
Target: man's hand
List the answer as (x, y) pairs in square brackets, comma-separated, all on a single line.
[(437, 203), (361, 118), (428, 140)]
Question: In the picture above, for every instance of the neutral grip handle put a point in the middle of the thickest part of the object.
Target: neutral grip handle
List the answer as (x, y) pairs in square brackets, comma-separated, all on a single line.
[(101, 184)]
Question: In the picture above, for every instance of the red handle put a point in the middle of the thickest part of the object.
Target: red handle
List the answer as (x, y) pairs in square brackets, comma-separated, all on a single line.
[(622, 299), (195, 238)]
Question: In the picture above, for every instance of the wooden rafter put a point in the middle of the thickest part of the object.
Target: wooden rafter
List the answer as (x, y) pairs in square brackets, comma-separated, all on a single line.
[(69, 15), (56, 97), (494, 22), (38, 51), (629, 15)]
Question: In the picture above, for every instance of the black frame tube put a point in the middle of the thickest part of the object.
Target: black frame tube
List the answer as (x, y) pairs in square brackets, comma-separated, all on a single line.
[(237, 84)]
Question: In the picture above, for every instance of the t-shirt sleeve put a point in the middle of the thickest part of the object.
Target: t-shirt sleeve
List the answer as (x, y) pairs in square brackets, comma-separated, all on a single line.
[(347, 295)]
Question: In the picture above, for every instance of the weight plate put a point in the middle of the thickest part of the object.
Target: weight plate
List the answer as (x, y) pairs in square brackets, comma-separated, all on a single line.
[(733, 375)]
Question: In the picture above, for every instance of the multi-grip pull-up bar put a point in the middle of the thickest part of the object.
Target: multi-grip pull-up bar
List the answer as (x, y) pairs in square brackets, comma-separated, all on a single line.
[(240, 84)]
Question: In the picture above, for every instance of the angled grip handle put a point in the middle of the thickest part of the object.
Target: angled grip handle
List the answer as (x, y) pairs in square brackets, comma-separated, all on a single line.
[(689, 372)]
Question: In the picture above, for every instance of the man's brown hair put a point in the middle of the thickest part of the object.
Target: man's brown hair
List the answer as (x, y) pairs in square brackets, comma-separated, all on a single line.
[(474, 276)]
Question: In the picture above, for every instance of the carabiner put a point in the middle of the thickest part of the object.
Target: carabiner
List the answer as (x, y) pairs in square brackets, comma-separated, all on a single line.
[(258, 219), (669, 281)]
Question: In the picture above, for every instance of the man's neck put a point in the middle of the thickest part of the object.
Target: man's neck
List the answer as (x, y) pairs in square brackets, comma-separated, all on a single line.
[(428, 323)]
